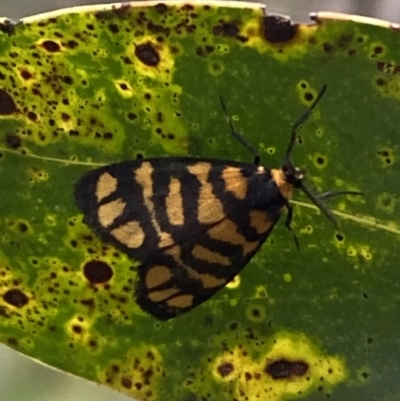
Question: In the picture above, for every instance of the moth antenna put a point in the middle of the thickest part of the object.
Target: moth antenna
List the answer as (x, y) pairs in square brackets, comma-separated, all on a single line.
[(320, 205), (318, 201), (238, 136), (301, 121), (331, 194)]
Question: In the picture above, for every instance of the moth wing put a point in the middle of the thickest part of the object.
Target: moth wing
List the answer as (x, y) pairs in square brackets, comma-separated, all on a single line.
[(145, 206), (190, 222), (183, 276)]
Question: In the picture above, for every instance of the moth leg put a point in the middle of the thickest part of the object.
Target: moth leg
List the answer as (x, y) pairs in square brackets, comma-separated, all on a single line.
[(237, 135), (289, 217)]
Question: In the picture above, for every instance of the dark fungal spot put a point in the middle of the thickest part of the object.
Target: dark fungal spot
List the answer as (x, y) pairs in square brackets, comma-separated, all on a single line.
[(344, 40), (380, 82), (380, 65), (12, 341), (97, 272), (187, 7), (203, 52), (13, 141), (225, 369), (51, 46), (72, 44), (309, 96), (23, 228), (32, 115), (230, 29), (127, 383), (327, 47), (152, 27), (339, 237), (320, 160), (161, 8), (65, 117), (278, 29), (16, 297), (384, 153), (7, 105), (113, 28), (147, 54), (77, 329), (233, 326), (25, 74), (284, 369), (7, 27), (67, 80)]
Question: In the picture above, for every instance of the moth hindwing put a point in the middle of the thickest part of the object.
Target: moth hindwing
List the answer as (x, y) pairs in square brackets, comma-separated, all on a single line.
[(193, 224)]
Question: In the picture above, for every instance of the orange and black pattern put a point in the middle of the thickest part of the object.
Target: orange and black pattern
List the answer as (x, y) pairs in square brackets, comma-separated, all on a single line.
[(192, 223)]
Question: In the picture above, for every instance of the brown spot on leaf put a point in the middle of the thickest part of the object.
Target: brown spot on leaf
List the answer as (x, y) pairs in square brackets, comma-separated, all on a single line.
[(23, 227), (147, 54), (32, 115), (7, 105), (7, 27), (230, 29), (309, 96), (72, 44), (77, 329), (16, 297), (13, 141), (51, 46), (278, 29), (127, 383), (97, 272), (225, 369), (12, 341), (284, 369), (25, 74), (161, 8), (344, 40)]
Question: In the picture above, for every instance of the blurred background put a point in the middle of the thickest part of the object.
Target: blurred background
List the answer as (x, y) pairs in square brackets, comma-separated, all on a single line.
[(22, 379)]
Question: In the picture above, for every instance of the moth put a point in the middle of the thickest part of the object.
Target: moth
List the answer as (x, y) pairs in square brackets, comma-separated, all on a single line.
[(192, 223)]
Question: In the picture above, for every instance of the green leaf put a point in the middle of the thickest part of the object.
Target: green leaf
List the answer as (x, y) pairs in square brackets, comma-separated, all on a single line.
[(94, 86)]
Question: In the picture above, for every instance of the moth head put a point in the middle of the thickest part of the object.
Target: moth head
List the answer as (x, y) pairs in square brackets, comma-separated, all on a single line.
[(294, 175)]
